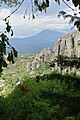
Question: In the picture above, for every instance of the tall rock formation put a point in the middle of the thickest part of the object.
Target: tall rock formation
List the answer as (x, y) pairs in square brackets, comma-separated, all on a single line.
[(68, 45)]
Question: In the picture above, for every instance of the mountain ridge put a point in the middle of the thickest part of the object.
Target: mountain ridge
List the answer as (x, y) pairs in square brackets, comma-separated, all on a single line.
[(34, 44)]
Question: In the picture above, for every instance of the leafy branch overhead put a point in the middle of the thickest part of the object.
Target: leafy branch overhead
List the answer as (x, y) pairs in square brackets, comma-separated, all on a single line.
[(44, 4), (4, 45), (73, 18), (75, 2)]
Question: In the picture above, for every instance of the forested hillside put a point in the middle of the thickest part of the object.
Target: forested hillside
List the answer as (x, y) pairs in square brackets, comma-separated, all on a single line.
[(38, 93)]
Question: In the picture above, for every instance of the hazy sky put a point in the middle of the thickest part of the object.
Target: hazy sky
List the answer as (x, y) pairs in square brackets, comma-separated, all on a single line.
[(25, 27)]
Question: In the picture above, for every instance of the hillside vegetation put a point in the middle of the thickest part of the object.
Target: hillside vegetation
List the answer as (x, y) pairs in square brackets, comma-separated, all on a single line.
[(52, 98), (50, 95)]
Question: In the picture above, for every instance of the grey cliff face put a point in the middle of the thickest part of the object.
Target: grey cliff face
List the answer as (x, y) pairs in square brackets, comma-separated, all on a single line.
[(68, 45)]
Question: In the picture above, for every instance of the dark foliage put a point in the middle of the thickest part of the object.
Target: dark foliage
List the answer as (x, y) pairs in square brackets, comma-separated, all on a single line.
[(4, 45)]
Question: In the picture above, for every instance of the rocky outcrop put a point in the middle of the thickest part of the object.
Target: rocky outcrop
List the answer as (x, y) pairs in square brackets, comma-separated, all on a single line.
[(39, 59), (68, 45)]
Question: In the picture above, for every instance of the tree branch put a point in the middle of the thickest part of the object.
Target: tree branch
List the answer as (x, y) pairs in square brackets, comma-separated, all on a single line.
[(68, 6), (14, 10)]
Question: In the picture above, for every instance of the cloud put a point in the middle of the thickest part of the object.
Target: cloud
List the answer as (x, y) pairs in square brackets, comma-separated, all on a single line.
[(4, 12), (25, 27), (44, 22)]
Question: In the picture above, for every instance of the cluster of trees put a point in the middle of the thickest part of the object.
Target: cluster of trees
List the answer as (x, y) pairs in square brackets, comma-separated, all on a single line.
[(66, 62), (54, 99)]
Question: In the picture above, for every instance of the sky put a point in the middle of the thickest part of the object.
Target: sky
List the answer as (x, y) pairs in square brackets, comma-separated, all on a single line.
[(28, 27)]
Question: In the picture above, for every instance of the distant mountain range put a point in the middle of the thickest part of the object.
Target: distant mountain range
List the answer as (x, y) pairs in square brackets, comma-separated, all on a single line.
[(34, 44)]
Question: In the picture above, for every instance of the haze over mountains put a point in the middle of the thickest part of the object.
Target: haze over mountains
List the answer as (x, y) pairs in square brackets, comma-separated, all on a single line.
[(34, 44)]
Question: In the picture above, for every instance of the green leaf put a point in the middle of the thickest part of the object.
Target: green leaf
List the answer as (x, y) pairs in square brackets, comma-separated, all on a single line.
[(33, 16), (9, 57), (43, 6), (4, 64), (39, 7), (8, 28), (3, 37), (58, 1), (36, 2), (47, 3), (77, 23), (12, 32), (15, 52)]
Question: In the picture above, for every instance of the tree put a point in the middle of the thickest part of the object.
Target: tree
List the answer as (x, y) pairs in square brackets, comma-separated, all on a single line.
[(66, 62), (4, 40)]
